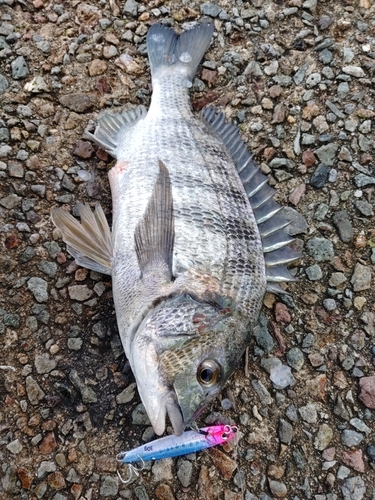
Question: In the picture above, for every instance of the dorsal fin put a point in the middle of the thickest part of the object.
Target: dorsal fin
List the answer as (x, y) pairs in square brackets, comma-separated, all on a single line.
[(271, 222), (111, 126), (154, 234)]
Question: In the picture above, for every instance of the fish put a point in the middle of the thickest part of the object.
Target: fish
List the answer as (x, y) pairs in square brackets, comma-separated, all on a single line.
[(196, 239)]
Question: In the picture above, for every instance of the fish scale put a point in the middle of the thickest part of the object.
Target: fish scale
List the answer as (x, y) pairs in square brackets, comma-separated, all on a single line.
[(192, 218)]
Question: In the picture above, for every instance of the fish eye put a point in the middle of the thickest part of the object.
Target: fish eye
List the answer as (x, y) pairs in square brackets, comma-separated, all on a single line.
[(208, 373)]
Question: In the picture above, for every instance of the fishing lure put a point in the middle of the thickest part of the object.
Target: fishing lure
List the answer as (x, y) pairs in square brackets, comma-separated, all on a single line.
[(174, 446)]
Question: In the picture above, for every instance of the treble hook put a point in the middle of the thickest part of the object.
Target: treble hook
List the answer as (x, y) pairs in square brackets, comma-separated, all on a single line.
[(132, 469)]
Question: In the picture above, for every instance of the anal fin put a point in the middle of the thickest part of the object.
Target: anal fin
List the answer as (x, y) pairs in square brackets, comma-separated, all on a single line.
[(89, 242), (154, 234)]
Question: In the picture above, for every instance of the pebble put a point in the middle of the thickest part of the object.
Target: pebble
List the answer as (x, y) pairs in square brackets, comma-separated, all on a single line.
[(278, 489), (351, 438), (14, 446), (38, 288), (295, 358), (320, 176), (48, 444), (313, 80), (78, 102), (223, 462), (285, 431), (130, 8), (355, 71), (353, 488), (109, 485), (184, 472), (320, 249), (314, 272), (281, 376), (97, 67), (327, 153), (260, 389), (3, 84), (19, 68), (44, 364), (353, 459), (361, 279), (323, 437), (87, 393), (309, 413), (127, 394), (297, 222), (80, 292), (367, 392)]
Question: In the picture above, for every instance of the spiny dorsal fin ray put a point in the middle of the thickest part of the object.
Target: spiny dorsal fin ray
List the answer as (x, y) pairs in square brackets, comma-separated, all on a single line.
[(154, 234), (110, 127), (89, 241), (266, 210)]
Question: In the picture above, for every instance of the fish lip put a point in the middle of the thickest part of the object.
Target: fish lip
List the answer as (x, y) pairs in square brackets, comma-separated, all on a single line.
[(168, 405)]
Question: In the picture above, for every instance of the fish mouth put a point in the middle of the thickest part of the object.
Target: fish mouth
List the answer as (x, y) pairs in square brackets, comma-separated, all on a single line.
[(169, 406)]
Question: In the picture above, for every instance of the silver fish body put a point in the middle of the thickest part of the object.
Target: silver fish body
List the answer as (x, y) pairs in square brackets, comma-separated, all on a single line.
[(185, 252)]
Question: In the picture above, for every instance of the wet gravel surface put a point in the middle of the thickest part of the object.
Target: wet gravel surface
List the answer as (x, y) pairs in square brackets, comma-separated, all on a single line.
[(298, 78)]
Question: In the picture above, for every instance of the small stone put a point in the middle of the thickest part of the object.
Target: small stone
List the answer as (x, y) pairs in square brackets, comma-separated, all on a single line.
[(309, 413), (278, 489), (48, 444), (320, 176), (56, 480), (367, 394), (355, 71), (11, 201), (281, 376), (109, 486), (26, 478), (314, 272), (297, 194), (281, 313), (78, 102), (351, 438), (165, 492), (343, 225), (285, 431), (19, 68), (109, 51), (87, 393), (33, 390), (126, 395), (295, 358), (3, 84), (329, 304), (139, 415), (320, 249), (262, 392), (353, 488), (83, 149), (80, 292), (313, 80), (327, 153), (184, 472), (323, 437), (361, 279), (97, 67), (365, 208), (38, 288), (210, 9), (223, 462), (44, 364), (297, 222), (130, 8), (14, 446), (353, 459)]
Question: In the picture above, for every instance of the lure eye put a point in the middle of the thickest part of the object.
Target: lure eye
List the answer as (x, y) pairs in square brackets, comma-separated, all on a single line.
[(208, 373)]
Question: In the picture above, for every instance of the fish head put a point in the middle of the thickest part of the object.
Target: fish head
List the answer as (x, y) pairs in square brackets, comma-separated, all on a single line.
[(182, 355)]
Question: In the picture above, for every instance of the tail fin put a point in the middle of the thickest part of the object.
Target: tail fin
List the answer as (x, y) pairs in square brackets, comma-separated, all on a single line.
[(166, 48)]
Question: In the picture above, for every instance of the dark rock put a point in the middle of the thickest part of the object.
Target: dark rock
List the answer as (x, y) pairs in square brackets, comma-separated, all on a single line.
[(343, 225), (320, 176), (78, 102)]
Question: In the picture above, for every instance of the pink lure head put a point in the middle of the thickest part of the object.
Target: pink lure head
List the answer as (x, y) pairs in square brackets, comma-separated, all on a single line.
[(219, 434)]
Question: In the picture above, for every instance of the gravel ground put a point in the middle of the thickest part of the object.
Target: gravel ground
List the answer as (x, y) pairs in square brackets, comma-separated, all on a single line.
[(298, 78)]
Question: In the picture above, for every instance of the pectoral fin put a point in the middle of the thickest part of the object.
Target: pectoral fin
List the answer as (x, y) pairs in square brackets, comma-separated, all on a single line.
[(154, 235), (89, 242)]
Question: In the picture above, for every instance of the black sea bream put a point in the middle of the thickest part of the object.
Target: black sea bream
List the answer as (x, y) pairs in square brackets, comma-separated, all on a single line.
[(196, 237)]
